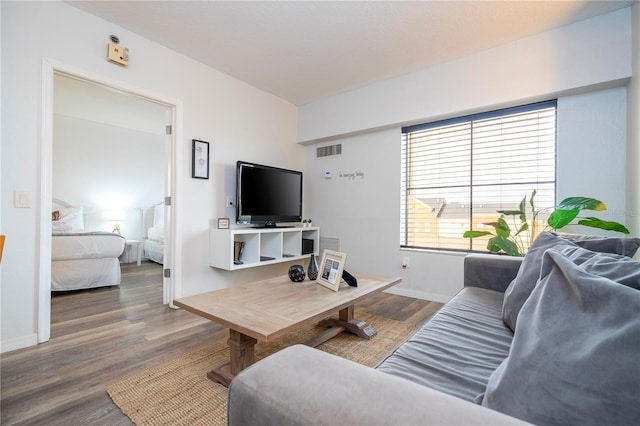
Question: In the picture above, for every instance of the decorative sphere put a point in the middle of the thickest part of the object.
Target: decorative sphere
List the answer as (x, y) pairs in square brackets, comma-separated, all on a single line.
[(296, 273)]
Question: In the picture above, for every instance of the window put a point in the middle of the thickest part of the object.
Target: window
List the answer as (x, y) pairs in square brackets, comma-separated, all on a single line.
[(457, 173)]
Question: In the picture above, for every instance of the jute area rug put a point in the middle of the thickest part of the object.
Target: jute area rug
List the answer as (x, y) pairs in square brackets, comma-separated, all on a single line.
[(179, 392)]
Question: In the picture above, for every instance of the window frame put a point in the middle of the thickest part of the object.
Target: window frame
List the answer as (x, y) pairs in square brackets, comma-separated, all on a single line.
[(471, 118)]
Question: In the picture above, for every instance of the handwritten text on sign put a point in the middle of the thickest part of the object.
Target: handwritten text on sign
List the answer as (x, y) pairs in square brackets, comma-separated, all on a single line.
[(352, 176)]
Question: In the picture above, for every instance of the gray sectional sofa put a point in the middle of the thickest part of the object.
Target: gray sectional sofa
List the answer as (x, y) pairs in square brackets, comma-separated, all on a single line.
[(551, 339)]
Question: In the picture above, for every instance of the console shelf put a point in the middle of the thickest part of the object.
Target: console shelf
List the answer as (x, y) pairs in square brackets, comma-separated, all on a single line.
[(261, 246)]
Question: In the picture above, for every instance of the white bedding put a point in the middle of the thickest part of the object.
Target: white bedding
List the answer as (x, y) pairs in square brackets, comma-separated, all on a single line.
[(85, 259), (153, 245), (86, 245), (84, 273), (156, 234), (154, 251)]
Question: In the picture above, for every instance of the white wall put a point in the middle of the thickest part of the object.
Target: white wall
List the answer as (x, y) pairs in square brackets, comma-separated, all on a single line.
[(592, 150), (240, 121), (105, 168), (578, 56), (584, 65)]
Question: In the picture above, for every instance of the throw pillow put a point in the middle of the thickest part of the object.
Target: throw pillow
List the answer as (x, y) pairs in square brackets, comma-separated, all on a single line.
[(618, 268), (625, 246), (574, 356), (73, 217), (522, 285)]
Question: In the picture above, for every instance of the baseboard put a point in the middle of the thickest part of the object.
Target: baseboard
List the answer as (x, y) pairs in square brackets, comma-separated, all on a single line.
[(18, 343), (417, 294)]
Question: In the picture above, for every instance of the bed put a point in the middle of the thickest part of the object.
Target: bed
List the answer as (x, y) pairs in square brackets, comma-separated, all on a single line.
[(153, 245), (81, 258)]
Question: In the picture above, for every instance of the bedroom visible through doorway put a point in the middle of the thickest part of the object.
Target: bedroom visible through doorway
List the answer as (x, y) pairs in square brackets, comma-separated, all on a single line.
[(109, 160), (108, 184)]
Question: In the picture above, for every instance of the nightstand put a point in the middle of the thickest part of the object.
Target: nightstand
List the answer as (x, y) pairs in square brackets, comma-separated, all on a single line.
[(136, 247)]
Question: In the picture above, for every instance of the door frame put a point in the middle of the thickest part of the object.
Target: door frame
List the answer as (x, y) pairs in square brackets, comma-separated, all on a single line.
[(172, 286)]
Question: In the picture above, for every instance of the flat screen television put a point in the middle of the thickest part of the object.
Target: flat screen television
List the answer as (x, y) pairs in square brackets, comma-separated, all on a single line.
[(267, 195)]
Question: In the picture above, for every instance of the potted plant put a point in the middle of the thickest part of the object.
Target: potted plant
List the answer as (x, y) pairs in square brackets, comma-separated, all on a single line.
[(505, 240)]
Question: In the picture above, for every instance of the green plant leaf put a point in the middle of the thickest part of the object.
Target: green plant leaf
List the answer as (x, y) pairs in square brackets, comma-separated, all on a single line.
[(523, 228), (561, 218), (581, 203), (492, 247), (523, 214), (594, 222), (520, 212), (510, 212), (531, 202), (502, 227), (476, 234), (504, 244)]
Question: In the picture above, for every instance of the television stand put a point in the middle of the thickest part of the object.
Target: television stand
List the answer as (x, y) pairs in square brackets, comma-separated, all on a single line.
[(262, 246)]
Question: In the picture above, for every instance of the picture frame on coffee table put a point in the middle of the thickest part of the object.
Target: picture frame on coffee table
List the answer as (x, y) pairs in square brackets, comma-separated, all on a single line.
[(331, 267)]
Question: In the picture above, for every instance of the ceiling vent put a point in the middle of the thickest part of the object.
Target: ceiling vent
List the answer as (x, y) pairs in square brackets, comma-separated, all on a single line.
[(328, 151)]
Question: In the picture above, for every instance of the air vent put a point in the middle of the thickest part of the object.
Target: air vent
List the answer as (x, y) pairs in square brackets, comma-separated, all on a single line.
[(328, 151)]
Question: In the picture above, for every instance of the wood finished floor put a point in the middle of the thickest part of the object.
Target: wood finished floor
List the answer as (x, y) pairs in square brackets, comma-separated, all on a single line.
[(104, 335)]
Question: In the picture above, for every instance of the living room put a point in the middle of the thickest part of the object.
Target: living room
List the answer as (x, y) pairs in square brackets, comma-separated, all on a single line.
[(589, 66)]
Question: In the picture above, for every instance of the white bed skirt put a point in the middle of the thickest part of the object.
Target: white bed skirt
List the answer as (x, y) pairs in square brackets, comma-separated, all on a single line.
[(84, 273), (154, 251)]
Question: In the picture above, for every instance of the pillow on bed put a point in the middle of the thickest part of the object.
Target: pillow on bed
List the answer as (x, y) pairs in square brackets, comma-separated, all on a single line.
[(73, 217), (58, 226), (156, 234)]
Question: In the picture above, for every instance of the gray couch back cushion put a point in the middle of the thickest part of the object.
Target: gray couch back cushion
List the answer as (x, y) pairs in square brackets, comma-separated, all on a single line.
[(574, 359), (522, 286)]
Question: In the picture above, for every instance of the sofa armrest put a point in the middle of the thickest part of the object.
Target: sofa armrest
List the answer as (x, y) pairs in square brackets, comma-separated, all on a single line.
[(490, 271), (303, 386)]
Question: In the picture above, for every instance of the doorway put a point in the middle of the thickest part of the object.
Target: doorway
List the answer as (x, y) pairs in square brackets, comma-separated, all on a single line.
[(97, 84)]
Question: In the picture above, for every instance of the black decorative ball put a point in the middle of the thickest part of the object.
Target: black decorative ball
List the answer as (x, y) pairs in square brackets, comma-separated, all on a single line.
[(296, 273)]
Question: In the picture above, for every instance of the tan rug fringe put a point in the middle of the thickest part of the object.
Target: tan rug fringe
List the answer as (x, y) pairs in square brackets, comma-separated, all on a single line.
[(179, 392)]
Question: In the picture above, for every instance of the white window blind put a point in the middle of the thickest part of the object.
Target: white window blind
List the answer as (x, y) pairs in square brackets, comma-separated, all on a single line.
[(457, 173)]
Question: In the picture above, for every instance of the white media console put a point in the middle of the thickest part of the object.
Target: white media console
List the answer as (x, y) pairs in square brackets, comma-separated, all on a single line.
[(261, 246)]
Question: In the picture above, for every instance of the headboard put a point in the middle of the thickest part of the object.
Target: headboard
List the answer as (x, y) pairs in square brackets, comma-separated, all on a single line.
[(58, 204), (153, 217)]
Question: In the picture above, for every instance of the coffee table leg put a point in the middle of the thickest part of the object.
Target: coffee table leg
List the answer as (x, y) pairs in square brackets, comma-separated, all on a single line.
[(242, 351), (345, 322)]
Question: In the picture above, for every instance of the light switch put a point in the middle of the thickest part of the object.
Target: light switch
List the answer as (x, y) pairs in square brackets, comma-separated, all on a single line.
[(21, 199)]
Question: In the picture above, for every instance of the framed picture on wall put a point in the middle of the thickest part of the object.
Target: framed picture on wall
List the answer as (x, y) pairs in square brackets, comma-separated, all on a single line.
[(331, 269), (199, 159)]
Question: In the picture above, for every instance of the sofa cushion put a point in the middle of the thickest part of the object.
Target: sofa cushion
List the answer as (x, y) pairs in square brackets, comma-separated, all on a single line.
[(523, 284), (618, 268), (574, 356), (458, 349)]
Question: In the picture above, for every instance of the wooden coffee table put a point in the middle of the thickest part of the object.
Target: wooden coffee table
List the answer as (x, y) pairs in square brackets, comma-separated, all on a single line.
[(264, 310)]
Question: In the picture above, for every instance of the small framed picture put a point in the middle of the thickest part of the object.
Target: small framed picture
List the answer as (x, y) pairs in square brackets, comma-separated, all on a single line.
[(223, 223), (331, 269), (199, 159)]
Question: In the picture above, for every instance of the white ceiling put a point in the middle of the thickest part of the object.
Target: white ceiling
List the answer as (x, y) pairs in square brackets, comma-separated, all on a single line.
[(305, 50)]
